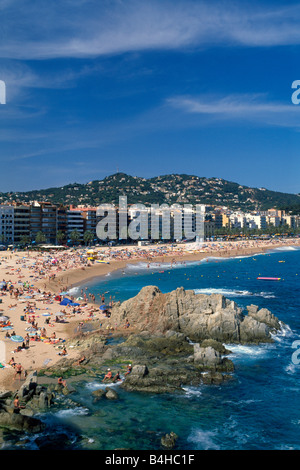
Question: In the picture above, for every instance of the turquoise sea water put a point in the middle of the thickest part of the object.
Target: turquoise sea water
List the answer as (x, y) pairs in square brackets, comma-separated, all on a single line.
[(259, 409)]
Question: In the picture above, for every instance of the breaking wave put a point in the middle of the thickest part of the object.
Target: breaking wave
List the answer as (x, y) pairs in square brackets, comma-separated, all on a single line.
[(74, 291), (286, 248), (235, 293)]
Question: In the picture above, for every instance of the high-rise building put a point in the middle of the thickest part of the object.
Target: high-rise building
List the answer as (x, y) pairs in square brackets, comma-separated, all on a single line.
[(43, 218), (6, 224), (75, 222), (89, 215), (21, 223)]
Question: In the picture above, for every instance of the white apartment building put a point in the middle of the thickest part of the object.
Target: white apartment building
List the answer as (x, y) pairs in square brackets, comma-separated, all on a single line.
[(259, 221), (274, 220), (244, 220), (289, 220), (238, 220)]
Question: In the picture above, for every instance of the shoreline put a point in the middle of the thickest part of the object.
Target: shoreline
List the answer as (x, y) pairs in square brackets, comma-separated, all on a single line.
[(32, 268), (78, 277)]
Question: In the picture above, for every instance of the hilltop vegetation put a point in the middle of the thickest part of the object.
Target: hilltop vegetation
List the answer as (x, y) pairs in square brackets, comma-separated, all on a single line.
[(169, 189)]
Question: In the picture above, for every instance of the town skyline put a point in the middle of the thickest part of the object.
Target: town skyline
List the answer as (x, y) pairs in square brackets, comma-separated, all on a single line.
[(25, 224)]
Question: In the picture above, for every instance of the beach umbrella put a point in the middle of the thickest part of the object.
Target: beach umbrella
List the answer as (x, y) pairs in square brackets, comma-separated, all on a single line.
[(46, 314), (65, 301), (3, 318), (104, 307), (31, 329), (17, 339), (60, 314)]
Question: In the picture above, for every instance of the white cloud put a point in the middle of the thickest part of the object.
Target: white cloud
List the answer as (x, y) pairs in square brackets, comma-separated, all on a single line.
[(41, 30), (239, 108)]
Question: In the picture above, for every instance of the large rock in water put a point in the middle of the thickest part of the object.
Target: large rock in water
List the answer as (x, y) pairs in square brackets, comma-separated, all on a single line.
[(197, 316)]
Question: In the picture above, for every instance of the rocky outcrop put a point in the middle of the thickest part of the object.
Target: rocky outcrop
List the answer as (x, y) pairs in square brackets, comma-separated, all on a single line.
[(164, 365), (19, 422), (108, 393), (263, 315), (208, 357), (111, 394), (178, 341), (162, 380), (20, 419), (139, 371), (169, 440), (33, 398), (98, 394), (197, 316), (161, 363)]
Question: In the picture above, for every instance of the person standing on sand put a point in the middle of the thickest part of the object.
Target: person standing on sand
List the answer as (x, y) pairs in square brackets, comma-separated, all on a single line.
[(18, 369)]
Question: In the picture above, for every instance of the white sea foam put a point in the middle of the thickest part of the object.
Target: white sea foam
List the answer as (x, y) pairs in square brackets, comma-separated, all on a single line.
[(192, 392), (234, 293), (252, 255), (96, 385), (165, 266), (142, 266), (204, 440), (286, 248), (248, 351), (67, 413), (242, 402), (74, 291), (285, 332), (291, 368)]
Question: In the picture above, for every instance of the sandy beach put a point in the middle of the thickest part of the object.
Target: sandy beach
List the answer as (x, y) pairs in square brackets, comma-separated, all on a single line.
[(31, 282)]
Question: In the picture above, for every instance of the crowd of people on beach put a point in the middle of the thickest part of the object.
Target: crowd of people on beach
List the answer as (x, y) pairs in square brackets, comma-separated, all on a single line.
[(176, 250), (25, 302)]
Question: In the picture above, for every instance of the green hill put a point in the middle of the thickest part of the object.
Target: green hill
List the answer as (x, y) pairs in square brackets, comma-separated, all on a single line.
[(169, 189)]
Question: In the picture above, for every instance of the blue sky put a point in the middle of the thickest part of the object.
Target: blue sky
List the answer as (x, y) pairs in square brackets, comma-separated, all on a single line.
[(149, 88)]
